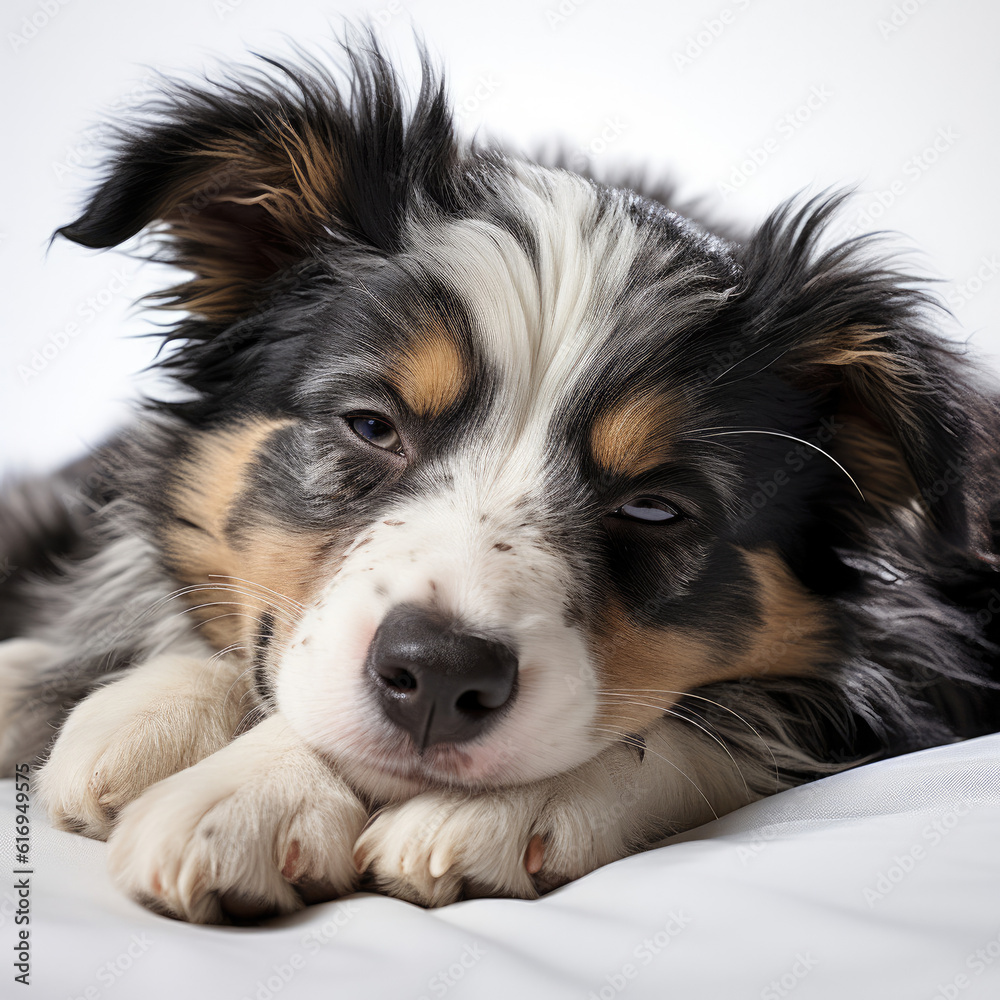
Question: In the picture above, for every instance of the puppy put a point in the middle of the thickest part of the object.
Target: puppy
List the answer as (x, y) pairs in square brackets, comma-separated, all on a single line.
[(503, 523)]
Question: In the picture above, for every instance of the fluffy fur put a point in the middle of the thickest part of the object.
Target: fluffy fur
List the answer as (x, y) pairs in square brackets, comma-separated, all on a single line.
[(672, 520)]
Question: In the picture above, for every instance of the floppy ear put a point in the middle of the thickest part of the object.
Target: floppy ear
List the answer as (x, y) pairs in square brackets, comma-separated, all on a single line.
[(909, 423), (251, 175)]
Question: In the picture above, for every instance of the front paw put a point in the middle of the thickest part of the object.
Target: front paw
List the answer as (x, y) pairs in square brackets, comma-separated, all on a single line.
[(99, 763), (254, 830), (162, 716), (445, 845)]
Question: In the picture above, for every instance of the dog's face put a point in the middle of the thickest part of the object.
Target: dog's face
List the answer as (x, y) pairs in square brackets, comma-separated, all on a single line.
[(492, 462)]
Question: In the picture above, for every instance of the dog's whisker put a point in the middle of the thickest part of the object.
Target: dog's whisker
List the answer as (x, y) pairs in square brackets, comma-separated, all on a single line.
[(619, 692), (297, 605), (724, 385), (257, 714), (213, 660), (712, 736), (790, 437), (236, 680), (215, 588), (630, 739), (251, 611)]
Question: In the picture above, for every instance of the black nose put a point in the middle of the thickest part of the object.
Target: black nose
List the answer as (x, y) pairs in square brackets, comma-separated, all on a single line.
[(436, 682)]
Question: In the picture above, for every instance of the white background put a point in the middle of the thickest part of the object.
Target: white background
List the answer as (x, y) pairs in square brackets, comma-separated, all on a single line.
[(684, 90)]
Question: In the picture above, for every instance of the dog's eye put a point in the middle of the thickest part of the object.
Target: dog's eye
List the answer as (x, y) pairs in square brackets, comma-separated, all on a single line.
[(376, 431), (648, 510)]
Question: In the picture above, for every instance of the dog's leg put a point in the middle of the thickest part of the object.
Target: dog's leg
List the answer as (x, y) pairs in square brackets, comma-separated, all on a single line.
[(444, 845), (257, 828), (161, 716)]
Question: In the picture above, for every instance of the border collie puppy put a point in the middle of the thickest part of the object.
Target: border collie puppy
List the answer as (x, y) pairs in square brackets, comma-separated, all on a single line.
[(504, 521)]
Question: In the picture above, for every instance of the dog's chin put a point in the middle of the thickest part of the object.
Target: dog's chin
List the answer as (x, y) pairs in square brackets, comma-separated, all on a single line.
[(396, 769)]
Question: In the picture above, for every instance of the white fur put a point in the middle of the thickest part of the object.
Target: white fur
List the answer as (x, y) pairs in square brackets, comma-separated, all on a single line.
[(518, 594), (225, 833), (218, 837), (444, 843), (160, 717)]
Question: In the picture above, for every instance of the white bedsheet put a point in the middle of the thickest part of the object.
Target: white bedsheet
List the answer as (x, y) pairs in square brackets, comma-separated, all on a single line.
[(883, 882)]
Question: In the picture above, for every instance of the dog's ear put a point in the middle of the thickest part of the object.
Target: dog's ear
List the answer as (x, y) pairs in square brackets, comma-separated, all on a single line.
[(843, 324), (247, 177)]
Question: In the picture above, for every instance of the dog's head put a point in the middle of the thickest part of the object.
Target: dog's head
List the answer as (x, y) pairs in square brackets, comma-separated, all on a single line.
[(493, 461)]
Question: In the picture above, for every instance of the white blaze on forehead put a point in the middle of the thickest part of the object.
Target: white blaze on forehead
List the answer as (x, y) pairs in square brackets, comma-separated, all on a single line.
[(541, 326)]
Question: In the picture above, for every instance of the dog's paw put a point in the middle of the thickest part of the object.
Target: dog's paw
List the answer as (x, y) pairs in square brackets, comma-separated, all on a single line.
[(257, 829), (444, 845), (127, 736)]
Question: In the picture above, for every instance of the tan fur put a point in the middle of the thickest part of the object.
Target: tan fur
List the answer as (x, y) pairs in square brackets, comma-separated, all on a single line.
[(291, 175), (873, 376), (268, 556), (658, 664), (796, 632), (634, 435), (875, 462), (430, 374)]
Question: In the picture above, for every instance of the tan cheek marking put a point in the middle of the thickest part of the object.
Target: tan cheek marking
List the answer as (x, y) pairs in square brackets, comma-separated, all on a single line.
[(214, 474), (794, 636), (645, 667), (634, 435), (272, 556), (430, 375)]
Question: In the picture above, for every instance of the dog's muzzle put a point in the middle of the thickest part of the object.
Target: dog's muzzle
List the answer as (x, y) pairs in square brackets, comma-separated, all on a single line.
[(436, 682)]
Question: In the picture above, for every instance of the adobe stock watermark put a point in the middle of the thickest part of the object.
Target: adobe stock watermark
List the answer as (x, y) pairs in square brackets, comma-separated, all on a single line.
[(777, 988), (869, 216), (977, 962), (990, 610), (486, 86), (445, 979), (87, 312), (965, 291), (272, 984), (92, 142), (785, 128), (583, 157), (953, 475), (796, 459), (110, 974), (932, 835), (643, 955), (711, 29), (748, 851), (899, 17), (223, 8), (562, 12), (33, 24)]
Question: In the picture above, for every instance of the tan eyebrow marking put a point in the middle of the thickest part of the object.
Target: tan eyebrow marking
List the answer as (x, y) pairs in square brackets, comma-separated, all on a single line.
[(634, 434), (430, 374)]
